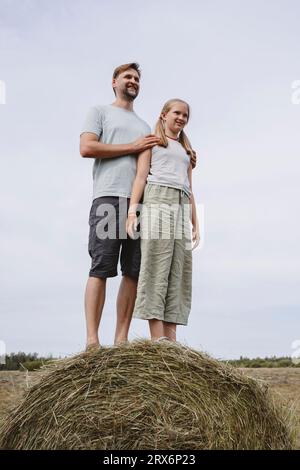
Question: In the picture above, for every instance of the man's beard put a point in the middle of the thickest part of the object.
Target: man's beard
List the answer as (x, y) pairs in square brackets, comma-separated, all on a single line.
[(128, 96)]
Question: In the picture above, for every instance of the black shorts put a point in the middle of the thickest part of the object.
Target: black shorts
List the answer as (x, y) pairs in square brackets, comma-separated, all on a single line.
[(107, 235)]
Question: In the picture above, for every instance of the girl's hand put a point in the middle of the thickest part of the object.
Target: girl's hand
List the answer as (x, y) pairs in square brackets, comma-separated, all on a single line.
[(195, 235), (131, 224)]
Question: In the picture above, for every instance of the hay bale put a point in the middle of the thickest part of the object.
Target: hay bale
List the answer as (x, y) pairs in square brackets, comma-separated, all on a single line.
[(145, 395)]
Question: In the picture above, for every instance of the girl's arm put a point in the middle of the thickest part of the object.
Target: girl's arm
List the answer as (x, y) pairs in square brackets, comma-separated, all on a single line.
[(142, 171), (194, 218)]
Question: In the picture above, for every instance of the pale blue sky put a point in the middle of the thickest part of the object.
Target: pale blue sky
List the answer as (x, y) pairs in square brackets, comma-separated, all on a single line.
[(234, 62)]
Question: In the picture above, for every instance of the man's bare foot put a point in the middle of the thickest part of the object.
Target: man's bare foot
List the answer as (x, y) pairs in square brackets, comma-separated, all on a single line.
[(92, 347)]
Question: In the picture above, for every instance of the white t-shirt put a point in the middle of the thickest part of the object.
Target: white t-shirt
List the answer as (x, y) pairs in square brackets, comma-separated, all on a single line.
[(169, 166)]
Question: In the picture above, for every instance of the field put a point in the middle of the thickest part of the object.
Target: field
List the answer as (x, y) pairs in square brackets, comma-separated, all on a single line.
[(284, 381)]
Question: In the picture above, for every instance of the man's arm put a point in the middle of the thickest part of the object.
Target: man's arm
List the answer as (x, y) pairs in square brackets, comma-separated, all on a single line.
[(90, 147)]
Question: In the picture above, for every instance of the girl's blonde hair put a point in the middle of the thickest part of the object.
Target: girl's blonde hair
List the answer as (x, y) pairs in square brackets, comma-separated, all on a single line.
[(160, 130)]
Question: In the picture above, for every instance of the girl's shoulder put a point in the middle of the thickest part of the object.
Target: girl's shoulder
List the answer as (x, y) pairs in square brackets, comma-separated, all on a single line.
[(156, 149), (161, 148)]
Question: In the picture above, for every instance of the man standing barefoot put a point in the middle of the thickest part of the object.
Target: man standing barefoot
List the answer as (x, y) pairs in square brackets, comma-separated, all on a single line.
[(113, 135)]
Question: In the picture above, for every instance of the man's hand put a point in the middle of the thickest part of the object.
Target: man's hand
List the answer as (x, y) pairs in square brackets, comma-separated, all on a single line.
[(144, 143), (193, 157), (131, 224)]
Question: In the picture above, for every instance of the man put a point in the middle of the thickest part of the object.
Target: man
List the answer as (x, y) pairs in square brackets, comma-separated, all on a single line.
[(114, 135)]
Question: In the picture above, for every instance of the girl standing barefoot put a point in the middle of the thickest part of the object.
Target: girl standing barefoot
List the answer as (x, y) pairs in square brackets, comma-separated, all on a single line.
[(164, 179)]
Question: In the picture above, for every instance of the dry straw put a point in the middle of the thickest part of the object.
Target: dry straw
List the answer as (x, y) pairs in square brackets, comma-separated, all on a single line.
[(145, 395)]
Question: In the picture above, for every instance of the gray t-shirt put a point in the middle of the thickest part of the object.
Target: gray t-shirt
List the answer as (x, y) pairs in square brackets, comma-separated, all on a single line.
[(114, 125), (169, 166)]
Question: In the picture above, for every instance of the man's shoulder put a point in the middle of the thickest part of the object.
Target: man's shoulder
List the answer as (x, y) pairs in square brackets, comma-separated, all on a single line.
[(100, 108), (144, 123), (96, 112), (107, 110)]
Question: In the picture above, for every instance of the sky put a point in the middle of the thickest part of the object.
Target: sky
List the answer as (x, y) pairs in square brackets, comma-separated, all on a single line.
[(235, 63)]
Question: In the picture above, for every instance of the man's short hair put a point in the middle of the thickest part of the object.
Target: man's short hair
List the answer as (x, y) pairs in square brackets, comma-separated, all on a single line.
[(124, 67)]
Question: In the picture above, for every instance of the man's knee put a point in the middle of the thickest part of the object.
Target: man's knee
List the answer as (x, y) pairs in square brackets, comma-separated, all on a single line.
[(130, 278), (96, 284), (97, 279)]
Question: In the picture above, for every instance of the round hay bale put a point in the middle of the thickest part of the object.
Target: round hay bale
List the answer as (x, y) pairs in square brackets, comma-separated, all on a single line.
[(145, 395)]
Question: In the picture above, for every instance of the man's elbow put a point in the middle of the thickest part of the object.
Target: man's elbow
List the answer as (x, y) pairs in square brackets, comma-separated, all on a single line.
[(85, 151)]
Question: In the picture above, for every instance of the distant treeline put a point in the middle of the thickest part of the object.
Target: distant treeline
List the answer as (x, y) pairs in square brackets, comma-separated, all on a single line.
[(32, 361), (22, 361), (264, 362)]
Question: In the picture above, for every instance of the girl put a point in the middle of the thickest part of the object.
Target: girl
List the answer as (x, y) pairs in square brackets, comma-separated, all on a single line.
[(165, 172)]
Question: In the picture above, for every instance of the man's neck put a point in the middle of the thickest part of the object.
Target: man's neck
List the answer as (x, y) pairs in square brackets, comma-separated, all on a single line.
[(125, 104)]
